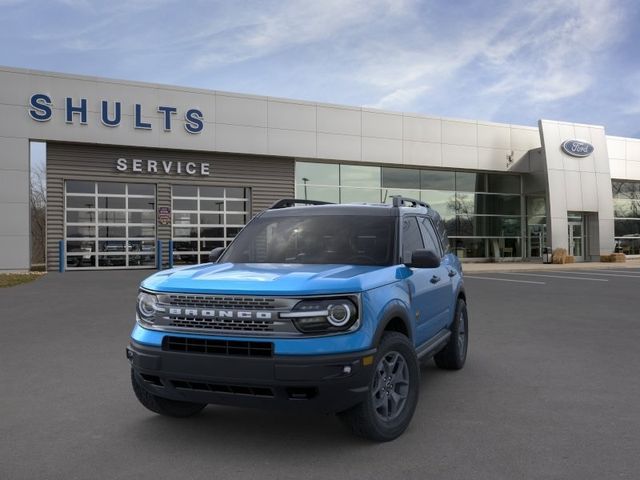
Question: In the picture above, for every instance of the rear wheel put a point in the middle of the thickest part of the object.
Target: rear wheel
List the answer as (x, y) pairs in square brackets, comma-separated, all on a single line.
[(454, 355), (163, 406), (393, 392)]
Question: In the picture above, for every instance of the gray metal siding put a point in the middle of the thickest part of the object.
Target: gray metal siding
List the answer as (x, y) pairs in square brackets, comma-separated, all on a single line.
[(269, 179)]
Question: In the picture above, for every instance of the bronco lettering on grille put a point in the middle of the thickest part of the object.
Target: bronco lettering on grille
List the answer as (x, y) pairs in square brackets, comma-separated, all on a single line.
[(210, 313)]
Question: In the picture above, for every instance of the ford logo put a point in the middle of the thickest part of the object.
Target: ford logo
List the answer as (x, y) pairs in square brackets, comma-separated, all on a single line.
[(577, 148)]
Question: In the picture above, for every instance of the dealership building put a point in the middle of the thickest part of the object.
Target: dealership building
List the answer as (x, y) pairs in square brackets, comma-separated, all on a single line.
[(140, 174)]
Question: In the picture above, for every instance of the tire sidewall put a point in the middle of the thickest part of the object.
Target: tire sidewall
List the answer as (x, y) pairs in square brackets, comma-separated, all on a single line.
[(388, 430), (461, 317)]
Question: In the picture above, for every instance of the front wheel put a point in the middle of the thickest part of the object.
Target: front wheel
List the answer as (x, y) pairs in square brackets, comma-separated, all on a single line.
[(163, 406), (393, 392), (454, 355)]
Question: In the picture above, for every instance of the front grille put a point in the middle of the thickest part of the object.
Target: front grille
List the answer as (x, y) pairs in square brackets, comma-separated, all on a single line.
[(222, 324), (218, 347), (254, 391), (223, 302)]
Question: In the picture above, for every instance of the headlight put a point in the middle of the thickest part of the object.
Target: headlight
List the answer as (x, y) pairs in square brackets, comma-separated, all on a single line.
[(323, 315), (146, 306)]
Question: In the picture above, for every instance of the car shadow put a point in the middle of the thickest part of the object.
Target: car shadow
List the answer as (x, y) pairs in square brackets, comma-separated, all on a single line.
[(247, 428)]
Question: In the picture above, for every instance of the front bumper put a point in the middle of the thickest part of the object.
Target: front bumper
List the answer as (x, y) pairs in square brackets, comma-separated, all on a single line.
[(324, 383)]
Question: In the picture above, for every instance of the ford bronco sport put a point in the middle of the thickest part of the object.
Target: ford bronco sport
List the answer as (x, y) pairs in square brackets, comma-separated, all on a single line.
[(321, 306)]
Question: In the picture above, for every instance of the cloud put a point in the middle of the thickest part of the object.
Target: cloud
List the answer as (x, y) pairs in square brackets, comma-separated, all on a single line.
[(283, 25), (552, 57)]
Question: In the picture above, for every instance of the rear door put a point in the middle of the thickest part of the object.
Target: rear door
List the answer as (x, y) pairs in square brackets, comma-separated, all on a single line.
[(444, 287), (425, 284)]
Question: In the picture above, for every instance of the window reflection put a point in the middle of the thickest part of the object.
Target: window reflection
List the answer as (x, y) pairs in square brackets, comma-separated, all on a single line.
[(482, 212)]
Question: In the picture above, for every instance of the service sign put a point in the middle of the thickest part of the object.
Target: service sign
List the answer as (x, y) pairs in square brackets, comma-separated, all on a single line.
[(577, 148), (164, 216)]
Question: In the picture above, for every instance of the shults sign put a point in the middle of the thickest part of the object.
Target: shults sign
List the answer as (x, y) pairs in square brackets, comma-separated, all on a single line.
[(41, 109)]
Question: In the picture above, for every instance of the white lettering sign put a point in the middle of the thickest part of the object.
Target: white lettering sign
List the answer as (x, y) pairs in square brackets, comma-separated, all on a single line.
[(167, 167)]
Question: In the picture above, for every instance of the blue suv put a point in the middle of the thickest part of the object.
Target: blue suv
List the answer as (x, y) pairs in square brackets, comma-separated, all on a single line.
[(313, 306)]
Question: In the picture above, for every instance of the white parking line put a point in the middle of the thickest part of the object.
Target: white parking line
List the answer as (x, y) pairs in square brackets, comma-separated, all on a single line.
[(556, 276), (504, 279), (615, 273)]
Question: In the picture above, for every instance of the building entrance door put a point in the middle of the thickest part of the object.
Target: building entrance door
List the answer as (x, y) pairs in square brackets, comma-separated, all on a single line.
[(576, 236)]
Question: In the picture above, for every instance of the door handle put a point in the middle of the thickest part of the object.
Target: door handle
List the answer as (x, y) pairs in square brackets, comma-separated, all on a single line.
[(452, 273), (435, 279)]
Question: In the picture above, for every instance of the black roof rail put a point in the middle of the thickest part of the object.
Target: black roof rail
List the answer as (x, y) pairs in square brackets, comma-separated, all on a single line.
[(400, 201), (292, 202)]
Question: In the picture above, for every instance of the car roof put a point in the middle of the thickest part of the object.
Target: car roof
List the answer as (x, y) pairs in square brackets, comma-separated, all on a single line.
[(368, 209)]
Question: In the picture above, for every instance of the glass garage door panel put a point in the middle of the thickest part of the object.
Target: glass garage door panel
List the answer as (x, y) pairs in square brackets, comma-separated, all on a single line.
[(205, 218), (110, 224)]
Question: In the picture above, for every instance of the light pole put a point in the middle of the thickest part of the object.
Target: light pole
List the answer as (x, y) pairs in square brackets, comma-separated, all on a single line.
[(305, 180)]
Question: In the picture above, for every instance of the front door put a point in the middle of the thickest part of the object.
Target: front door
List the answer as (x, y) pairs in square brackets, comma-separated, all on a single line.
[(576, 237)]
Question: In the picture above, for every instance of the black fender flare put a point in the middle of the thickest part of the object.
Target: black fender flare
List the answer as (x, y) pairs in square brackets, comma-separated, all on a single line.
[(392, 311)]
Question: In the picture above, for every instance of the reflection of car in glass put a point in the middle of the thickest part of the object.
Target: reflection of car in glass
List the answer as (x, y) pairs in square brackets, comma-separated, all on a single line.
[(322, 307), (75, 247), (630, 244)]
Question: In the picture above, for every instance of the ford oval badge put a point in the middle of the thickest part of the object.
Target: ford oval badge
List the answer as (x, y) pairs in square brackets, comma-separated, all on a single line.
[(577, 148)]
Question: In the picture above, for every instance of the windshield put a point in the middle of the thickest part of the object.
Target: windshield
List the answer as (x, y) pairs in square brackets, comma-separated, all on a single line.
[(330, 239)]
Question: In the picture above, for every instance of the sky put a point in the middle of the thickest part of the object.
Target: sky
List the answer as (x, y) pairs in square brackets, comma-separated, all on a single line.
[(507, 61)]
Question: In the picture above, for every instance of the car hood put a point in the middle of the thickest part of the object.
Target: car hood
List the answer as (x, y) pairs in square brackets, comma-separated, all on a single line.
[(270, 279)]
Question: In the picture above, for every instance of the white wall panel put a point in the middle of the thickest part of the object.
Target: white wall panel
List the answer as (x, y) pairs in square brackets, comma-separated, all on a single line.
[(600, 153), (339, 147), (382, 150), (616, 147), (292, 116), (633, 150), (422, 154), (14, 187), (589, 192), (573, 191), (381, 125), (422, 129), (14, 254), (525, 138), (14, 154), (633, 171), (459, 133), (15, 218), (493, 159), (339, 120), (232, 138), (293, 143), (246, 111), (493, 136), (618, 168), (455, 156)]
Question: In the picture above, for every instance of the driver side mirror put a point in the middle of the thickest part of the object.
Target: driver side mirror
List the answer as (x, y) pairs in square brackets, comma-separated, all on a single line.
[(424, 259), (214, 254)]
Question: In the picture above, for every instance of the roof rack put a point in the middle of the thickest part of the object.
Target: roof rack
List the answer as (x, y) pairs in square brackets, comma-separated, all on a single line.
[(400, 201), (292, 202)]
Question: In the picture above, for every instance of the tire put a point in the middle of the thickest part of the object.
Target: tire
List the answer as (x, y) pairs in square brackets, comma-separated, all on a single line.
[(396, 371), (454, 354), (164, 406)]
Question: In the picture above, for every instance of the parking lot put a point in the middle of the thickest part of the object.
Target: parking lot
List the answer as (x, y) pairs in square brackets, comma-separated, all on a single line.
[(550, 391)]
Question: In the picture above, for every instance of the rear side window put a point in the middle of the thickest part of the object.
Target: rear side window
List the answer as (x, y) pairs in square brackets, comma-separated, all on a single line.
[(431, 241), (411, 238)]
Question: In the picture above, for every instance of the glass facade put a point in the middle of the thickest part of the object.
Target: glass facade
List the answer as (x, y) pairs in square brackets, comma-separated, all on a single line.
[(626, 210), (109, 224), (483, 212), (205, 218)]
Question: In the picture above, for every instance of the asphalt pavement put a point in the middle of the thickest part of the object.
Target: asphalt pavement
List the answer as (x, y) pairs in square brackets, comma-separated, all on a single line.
[(550, 391)]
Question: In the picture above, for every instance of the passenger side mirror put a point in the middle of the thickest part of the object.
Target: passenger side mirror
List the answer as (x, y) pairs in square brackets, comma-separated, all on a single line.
[(214, 255), (424, 259)]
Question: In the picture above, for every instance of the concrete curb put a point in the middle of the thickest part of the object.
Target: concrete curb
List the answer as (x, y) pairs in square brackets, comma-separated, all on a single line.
[(533, 267)]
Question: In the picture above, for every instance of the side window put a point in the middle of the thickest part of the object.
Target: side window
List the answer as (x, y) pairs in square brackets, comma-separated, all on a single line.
[(411, 238), (431, 241)]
